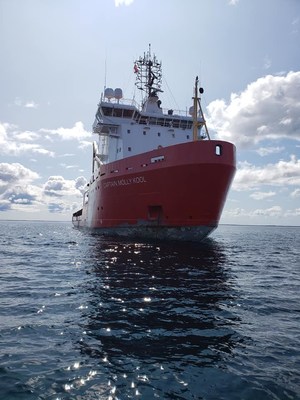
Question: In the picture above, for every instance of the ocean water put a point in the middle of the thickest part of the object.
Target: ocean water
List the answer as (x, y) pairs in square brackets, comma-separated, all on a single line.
[(87, 317)]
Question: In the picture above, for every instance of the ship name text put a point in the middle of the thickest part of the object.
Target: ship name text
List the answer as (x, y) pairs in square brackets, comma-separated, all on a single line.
[(124, 182)]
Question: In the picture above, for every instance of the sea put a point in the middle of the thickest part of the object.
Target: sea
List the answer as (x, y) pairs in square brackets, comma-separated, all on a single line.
[(89, 317)]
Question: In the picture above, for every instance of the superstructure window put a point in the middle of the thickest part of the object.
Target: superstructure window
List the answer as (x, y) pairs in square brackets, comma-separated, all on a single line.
[(128, 130), (127, 113), (129, 148)]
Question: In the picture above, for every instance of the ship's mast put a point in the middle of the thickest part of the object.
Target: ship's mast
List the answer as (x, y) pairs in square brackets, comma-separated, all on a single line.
[(148, 74), (197, 103)]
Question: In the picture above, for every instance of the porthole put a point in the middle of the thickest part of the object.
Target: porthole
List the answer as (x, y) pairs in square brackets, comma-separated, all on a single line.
[(218, 150)]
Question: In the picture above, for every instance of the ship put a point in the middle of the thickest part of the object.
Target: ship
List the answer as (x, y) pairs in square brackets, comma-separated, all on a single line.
[(156, 173)]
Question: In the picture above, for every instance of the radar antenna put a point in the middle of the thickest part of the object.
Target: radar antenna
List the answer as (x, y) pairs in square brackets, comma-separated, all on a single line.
[(148, 74)]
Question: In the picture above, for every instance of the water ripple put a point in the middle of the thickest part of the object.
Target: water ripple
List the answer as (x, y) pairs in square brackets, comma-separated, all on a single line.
[(85, 317)]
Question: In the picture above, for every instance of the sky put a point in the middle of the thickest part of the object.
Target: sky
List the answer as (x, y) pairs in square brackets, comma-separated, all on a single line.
[(56, 56)]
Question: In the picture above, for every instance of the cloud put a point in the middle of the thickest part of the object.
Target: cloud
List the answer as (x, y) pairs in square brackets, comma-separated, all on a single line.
[(68, 166), (18, 193), (295, 24), (265, 151), (123, 2), (292, 213), (4, 205), (295, 193), (15, 142), (268, 108), (56, 207), (26, 136), (12, 174), (57, 186), (80, 184), (16, 188), (22, 194), (44, 152), (250, 177), (84, 144), (61, 207), (261, 215), (267, 62), (77, 132), (275, 211), (233, 2), (27, 104), (31, 104), (262, 195)]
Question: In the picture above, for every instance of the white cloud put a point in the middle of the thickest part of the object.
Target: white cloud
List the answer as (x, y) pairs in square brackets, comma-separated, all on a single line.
[(80, 184), (15, 142), (23, 194), (27, 104), (265, 151), (295, 193), (84, 144), (249, 177), (56, 207), (15, 173), (26, 136), (44, 152), (31, 104), (18, 102), (3, 132), (233, 2), (123, 2), (57, 186), (275, 214), (68, 166), (262, 195), (15, 186), (62, 208), (275, 211), (4, 204), (295, 24), (77, 132), (292, 213), (19, 193), (268, 108), (267, 62)]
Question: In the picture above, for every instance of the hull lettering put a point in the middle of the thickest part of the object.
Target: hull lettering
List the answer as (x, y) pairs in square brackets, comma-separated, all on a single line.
[(125, 182)]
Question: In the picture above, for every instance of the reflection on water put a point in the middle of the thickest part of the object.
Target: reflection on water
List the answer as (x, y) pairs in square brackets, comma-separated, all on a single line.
[(158, 310), (85, 317)]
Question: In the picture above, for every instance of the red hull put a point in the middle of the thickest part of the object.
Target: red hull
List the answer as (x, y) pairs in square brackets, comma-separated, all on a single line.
[(176, 192)]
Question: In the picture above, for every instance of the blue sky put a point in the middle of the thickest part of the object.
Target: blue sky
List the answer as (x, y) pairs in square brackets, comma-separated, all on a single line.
[(52, 72)]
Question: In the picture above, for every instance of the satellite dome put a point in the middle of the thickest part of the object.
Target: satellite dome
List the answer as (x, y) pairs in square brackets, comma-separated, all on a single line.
[(118, 93), (109, 93)]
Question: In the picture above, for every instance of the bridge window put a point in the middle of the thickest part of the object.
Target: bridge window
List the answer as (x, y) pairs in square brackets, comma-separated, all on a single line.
[(127, 113)]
